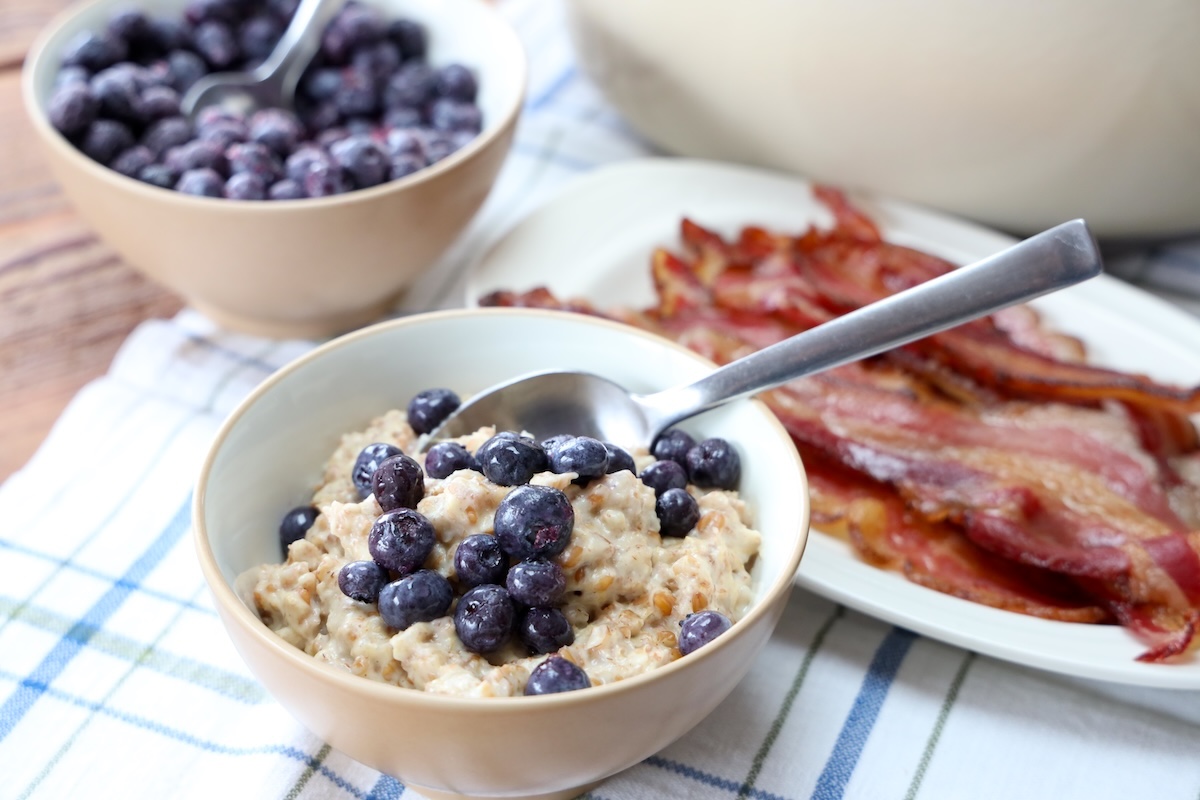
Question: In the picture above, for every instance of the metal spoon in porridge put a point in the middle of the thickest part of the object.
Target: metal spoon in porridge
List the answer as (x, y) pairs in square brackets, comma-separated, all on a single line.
[(549, 403), (272, 84)]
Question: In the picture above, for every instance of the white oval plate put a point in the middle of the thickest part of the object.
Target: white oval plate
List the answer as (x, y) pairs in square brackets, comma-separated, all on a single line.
[(594, 239)]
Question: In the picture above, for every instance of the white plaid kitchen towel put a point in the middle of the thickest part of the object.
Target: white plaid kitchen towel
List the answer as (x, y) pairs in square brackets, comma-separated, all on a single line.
[(117, 680)]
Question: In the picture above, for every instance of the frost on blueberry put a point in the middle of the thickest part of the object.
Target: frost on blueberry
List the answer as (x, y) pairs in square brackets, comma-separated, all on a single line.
[(398, 482), (510, 460), (369, 459), (556, 674), (701, 628), (429, 408), (421, 597), (401, 540), (534, 521), (362, 580), (483, 618), (479, 560), (544, 630)]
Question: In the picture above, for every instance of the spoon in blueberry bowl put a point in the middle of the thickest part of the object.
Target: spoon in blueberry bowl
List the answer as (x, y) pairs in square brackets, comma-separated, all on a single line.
[(556, 402), (272, 84)]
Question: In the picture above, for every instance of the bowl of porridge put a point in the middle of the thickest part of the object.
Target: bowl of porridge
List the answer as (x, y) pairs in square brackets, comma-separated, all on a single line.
[(352, 571)]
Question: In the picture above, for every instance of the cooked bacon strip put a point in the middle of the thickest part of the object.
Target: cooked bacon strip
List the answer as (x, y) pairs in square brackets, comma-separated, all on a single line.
[(1057, 497), (905, 438), (848, 270), (990, 357), (849, 221), (1144, 483), (1024, 326), (862, 269), (886, 534), (539, 297), (851, 266), (1167, 635), (675, 282)]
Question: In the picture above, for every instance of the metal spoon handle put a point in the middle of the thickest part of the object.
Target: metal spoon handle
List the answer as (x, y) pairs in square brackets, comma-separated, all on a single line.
[(298, 44), (1051, 260)]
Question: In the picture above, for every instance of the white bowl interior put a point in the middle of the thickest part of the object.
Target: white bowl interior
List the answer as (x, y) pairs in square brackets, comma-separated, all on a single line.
[(270, 454), (468, 32)]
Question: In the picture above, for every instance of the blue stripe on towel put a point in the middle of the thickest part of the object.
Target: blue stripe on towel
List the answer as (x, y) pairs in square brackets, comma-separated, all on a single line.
[(850, 742), (30, 689)]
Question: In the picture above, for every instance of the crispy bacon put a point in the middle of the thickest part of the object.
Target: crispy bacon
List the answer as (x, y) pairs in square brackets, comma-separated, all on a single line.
[(886, 534), (988, 462)]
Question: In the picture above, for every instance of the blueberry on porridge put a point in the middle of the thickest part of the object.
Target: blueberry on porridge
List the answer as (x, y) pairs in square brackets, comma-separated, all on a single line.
[(673, 445), (618, 459), (545, 630), (678, 512), (444, 458), (536, 582), (497, 566), (483, 618), (401, 540), (421, 597), (429, 408), (663, 475), (701, 628), (362, 580), (556, 674), (480, 560), (510, 460), (534, 521), (583, 455), (295, 524), (368, 461), (714, 463), (398, 482)]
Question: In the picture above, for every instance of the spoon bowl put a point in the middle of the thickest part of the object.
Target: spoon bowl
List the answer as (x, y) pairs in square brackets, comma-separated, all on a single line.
[(552, 402), (273, 83), (571, 402)]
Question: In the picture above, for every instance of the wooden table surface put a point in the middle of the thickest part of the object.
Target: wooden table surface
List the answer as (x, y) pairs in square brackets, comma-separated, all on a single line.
[(66, 300)]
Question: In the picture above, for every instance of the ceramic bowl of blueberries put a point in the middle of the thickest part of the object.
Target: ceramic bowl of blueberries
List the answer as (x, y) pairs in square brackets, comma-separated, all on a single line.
[(270, 454), (283, 222)]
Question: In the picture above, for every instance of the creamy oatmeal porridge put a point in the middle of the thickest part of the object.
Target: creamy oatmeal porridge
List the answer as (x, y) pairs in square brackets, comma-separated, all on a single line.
[(627, 589)]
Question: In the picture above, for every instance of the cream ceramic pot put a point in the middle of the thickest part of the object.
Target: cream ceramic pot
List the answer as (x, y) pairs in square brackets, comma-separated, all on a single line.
[(1019, 114), (269, 455)]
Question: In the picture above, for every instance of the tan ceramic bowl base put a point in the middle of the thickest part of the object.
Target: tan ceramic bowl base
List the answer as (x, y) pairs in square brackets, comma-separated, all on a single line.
[(564, 794)]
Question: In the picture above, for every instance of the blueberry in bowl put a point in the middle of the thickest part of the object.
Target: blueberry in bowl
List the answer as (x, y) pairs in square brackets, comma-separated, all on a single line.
[(421, 736), (287, 222)]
